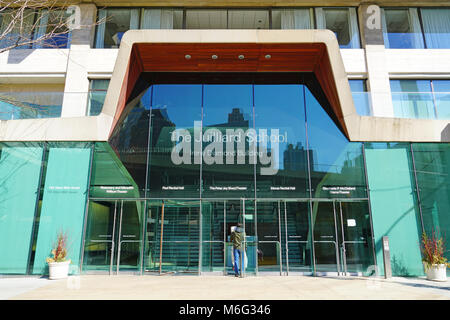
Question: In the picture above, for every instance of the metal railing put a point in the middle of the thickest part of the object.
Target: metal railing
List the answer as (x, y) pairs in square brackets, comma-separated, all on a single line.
[(48, 104)]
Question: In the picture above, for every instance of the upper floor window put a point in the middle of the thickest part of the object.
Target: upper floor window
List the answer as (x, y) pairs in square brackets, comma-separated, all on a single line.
[(436, 27), (227, 19), (97, 95), (292, 19), (401, 28), (343, 22), (118, 21), (34, 29)]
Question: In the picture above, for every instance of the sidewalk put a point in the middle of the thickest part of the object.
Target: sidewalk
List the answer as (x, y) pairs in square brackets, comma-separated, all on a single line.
[(170, 287)]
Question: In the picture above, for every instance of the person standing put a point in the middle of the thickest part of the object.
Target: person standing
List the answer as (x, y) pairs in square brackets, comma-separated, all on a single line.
[(239, 247)]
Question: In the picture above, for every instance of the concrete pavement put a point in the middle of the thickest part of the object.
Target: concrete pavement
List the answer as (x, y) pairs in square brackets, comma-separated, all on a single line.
[(181, 287)]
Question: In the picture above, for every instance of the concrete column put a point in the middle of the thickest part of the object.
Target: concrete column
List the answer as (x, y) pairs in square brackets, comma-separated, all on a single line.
[(77, 81), (377, 72)]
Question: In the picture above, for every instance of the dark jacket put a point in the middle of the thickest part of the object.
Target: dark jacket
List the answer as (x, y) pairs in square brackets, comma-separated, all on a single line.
[(237, 238)]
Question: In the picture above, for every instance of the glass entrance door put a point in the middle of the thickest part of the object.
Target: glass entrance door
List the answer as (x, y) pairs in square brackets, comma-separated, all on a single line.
[(342, 238), (113, 240), (172, 236), (355, 238), (269, 236)]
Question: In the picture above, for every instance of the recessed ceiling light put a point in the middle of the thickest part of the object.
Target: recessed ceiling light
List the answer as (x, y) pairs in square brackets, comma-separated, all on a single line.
[(267, 56), (187, 57), (214, 57), (241, 56)]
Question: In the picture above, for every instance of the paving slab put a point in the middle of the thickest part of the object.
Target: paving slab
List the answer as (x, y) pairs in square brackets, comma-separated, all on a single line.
[(13, 286), (170, 287)]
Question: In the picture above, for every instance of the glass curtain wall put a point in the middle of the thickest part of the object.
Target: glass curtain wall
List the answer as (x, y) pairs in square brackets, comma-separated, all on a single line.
[(212, 145), (432, 163), (44, 192)]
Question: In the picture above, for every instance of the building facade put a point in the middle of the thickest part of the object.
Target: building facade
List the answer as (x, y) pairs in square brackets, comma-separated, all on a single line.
[(148, 133)]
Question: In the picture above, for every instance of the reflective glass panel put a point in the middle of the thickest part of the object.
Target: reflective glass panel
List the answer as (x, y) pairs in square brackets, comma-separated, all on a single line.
[(336, 165), (227, 169), (281, 163), (175, 141), (130, 139)]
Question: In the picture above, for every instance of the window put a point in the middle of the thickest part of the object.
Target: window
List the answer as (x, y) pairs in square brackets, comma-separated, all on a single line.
[(248, 19), (162, 19), (97, 95), (206, 19), (116, 23), (22, 33), (343, 22), (227, 19), (292, 19), (421, 99), (401, 29), (52, 22), (436, 27)]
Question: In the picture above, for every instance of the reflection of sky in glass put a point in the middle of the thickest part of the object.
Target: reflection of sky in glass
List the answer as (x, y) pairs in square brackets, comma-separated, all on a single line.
[(276, 107), (331, 148), (220, 100), (281, 107), (182, 102)]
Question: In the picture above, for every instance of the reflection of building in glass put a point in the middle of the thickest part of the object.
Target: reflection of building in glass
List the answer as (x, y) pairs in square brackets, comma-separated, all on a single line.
[(236, 119), (295, 158)]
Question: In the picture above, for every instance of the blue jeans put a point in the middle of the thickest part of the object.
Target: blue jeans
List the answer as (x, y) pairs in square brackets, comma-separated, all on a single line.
[(238, 260)]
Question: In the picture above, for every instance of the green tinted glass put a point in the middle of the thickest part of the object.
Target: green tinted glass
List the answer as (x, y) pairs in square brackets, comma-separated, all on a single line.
[(20, 167), (432, 162), (394, 207)]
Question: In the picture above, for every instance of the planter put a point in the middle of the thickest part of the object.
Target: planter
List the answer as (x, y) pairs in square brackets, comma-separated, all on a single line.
[(58, 270), (437, 272)]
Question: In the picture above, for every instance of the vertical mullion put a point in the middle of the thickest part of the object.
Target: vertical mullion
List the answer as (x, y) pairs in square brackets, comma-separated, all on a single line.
[(311, 225), (370, 209), (36, 206), (419, 202), (86, 211)]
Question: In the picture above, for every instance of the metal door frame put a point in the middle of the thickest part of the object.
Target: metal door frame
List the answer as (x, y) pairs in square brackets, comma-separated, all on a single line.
[(335, 242), (344, 242), (287, 241), (112, 241), (117, 221), (120, 241), (278, 242)]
